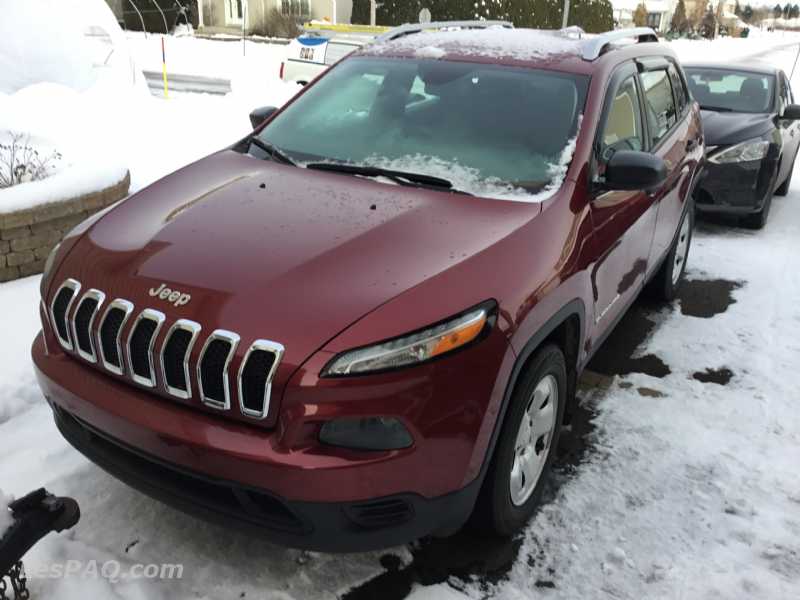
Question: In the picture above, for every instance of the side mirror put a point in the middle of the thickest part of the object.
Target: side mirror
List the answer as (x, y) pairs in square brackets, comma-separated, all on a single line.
[(632, 170), (259, 115), (791, 112)]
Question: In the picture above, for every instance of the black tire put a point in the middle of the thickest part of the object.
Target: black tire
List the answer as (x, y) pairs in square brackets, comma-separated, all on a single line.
[(783, 188), (758, 219), (495, 512), (665, 285)]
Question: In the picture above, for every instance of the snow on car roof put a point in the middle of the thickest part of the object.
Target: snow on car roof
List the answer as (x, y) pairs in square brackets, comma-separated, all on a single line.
[(495, 43)]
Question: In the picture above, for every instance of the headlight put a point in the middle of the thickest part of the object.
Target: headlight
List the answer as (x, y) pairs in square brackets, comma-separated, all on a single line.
[(746, 151), (48, 266), (414, 348)]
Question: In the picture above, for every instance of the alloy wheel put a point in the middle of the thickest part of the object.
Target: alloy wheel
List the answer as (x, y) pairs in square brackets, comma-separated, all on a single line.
[(534, 438)]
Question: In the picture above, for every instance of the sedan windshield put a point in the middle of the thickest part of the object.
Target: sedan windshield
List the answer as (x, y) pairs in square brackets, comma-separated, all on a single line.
[(482, 129), (731, 91)]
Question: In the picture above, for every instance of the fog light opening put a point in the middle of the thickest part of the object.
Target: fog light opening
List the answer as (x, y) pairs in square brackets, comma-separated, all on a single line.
[(369, 433)]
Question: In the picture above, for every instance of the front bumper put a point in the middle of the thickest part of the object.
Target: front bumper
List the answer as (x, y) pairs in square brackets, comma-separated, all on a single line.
[(736, 188), (282, 480), (319, 526)]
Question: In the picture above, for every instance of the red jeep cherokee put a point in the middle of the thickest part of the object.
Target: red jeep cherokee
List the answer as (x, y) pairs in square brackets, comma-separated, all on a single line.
[(364, 322)]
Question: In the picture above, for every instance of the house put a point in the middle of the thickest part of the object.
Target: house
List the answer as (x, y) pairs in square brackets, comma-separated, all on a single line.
[(659, 13), (229, 16)]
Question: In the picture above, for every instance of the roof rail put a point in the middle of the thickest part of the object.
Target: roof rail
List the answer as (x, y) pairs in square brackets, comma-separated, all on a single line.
[(412, 28), (593, 47)]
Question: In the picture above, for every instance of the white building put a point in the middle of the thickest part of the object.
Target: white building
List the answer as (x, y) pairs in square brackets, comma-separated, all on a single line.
[(232, 15), (659, 13)]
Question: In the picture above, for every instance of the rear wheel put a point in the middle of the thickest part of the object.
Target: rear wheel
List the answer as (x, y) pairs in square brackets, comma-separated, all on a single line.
[(667, 280), (527, 444)]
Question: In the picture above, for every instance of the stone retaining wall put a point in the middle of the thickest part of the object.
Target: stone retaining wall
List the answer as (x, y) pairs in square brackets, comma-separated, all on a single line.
[(27, 236)]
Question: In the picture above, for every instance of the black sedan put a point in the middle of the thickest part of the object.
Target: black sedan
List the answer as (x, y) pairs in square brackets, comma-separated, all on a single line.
[(751, 135)]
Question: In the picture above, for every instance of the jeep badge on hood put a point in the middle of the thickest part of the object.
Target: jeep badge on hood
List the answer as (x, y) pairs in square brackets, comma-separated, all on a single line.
[(174, 296)]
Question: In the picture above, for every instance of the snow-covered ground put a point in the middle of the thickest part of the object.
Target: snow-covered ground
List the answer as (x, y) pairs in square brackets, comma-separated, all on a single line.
[(5, 514), (729, 48), (689, 492), (208, 58)]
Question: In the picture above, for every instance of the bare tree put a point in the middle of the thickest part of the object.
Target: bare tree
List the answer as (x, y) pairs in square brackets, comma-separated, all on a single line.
[(21, 162)]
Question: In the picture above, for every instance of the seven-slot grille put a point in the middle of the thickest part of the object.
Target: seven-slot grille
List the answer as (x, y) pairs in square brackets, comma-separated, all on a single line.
[(138, 357), (175, 357), (212, 368), (88, 307)]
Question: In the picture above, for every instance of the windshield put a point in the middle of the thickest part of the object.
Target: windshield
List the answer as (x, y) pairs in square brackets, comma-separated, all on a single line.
[(492, 131), (737, 91)]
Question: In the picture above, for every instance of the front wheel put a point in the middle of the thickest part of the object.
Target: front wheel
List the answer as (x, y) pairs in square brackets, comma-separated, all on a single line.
[(667, 280), (783, 188), (526, 446)]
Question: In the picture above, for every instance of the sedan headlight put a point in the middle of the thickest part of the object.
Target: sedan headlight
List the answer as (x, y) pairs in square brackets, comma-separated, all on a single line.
[(746, 151), (414, 348)]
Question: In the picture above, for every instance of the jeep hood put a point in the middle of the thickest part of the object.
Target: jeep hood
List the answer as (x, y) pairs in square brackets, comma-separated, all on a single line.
[(282, 253)]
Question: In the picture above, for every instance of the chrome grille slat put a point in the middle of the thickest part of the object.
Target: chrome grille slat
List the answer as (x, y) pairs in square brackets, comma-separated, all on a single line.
[(104, 346), (181, 356), (255, 377), (82, 323), (59, 311), (111, 325), (212, 369), (141, 341)]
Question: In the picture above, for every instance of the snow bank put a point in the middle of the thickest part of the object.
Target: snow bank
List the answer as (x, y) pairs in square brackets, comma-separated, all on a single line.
[(76, 43), (66, 77), (5, 515), (78, 126)]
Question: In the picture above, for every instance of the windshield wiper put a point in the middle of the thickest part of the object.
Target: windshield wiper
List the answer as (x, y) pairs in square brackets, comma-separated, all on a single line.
[(717, 108), (399, 177), (273, 151)]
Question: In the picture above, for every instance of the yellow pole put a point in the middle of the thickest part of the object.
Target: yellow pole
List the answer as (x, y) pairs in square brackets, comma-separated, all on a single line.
[(164, 69)]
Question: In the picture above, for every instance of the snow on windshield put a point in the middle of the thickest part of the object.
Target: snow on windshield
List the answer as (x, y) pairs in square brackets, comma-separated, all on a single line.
[(494, 42), (467, 179), (499, 130)]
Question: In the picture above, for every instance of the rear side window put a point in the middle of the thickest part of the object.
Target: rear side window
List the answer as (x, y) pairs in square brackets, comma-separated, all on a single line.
[(681, 93), (659, 103), (623, 128)]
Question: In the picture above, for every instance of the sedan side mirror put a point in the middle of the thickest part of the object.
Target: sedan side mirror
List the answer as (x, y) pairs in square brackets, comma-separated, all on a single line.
[(791, 112), (259, 115), (633, 170)]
